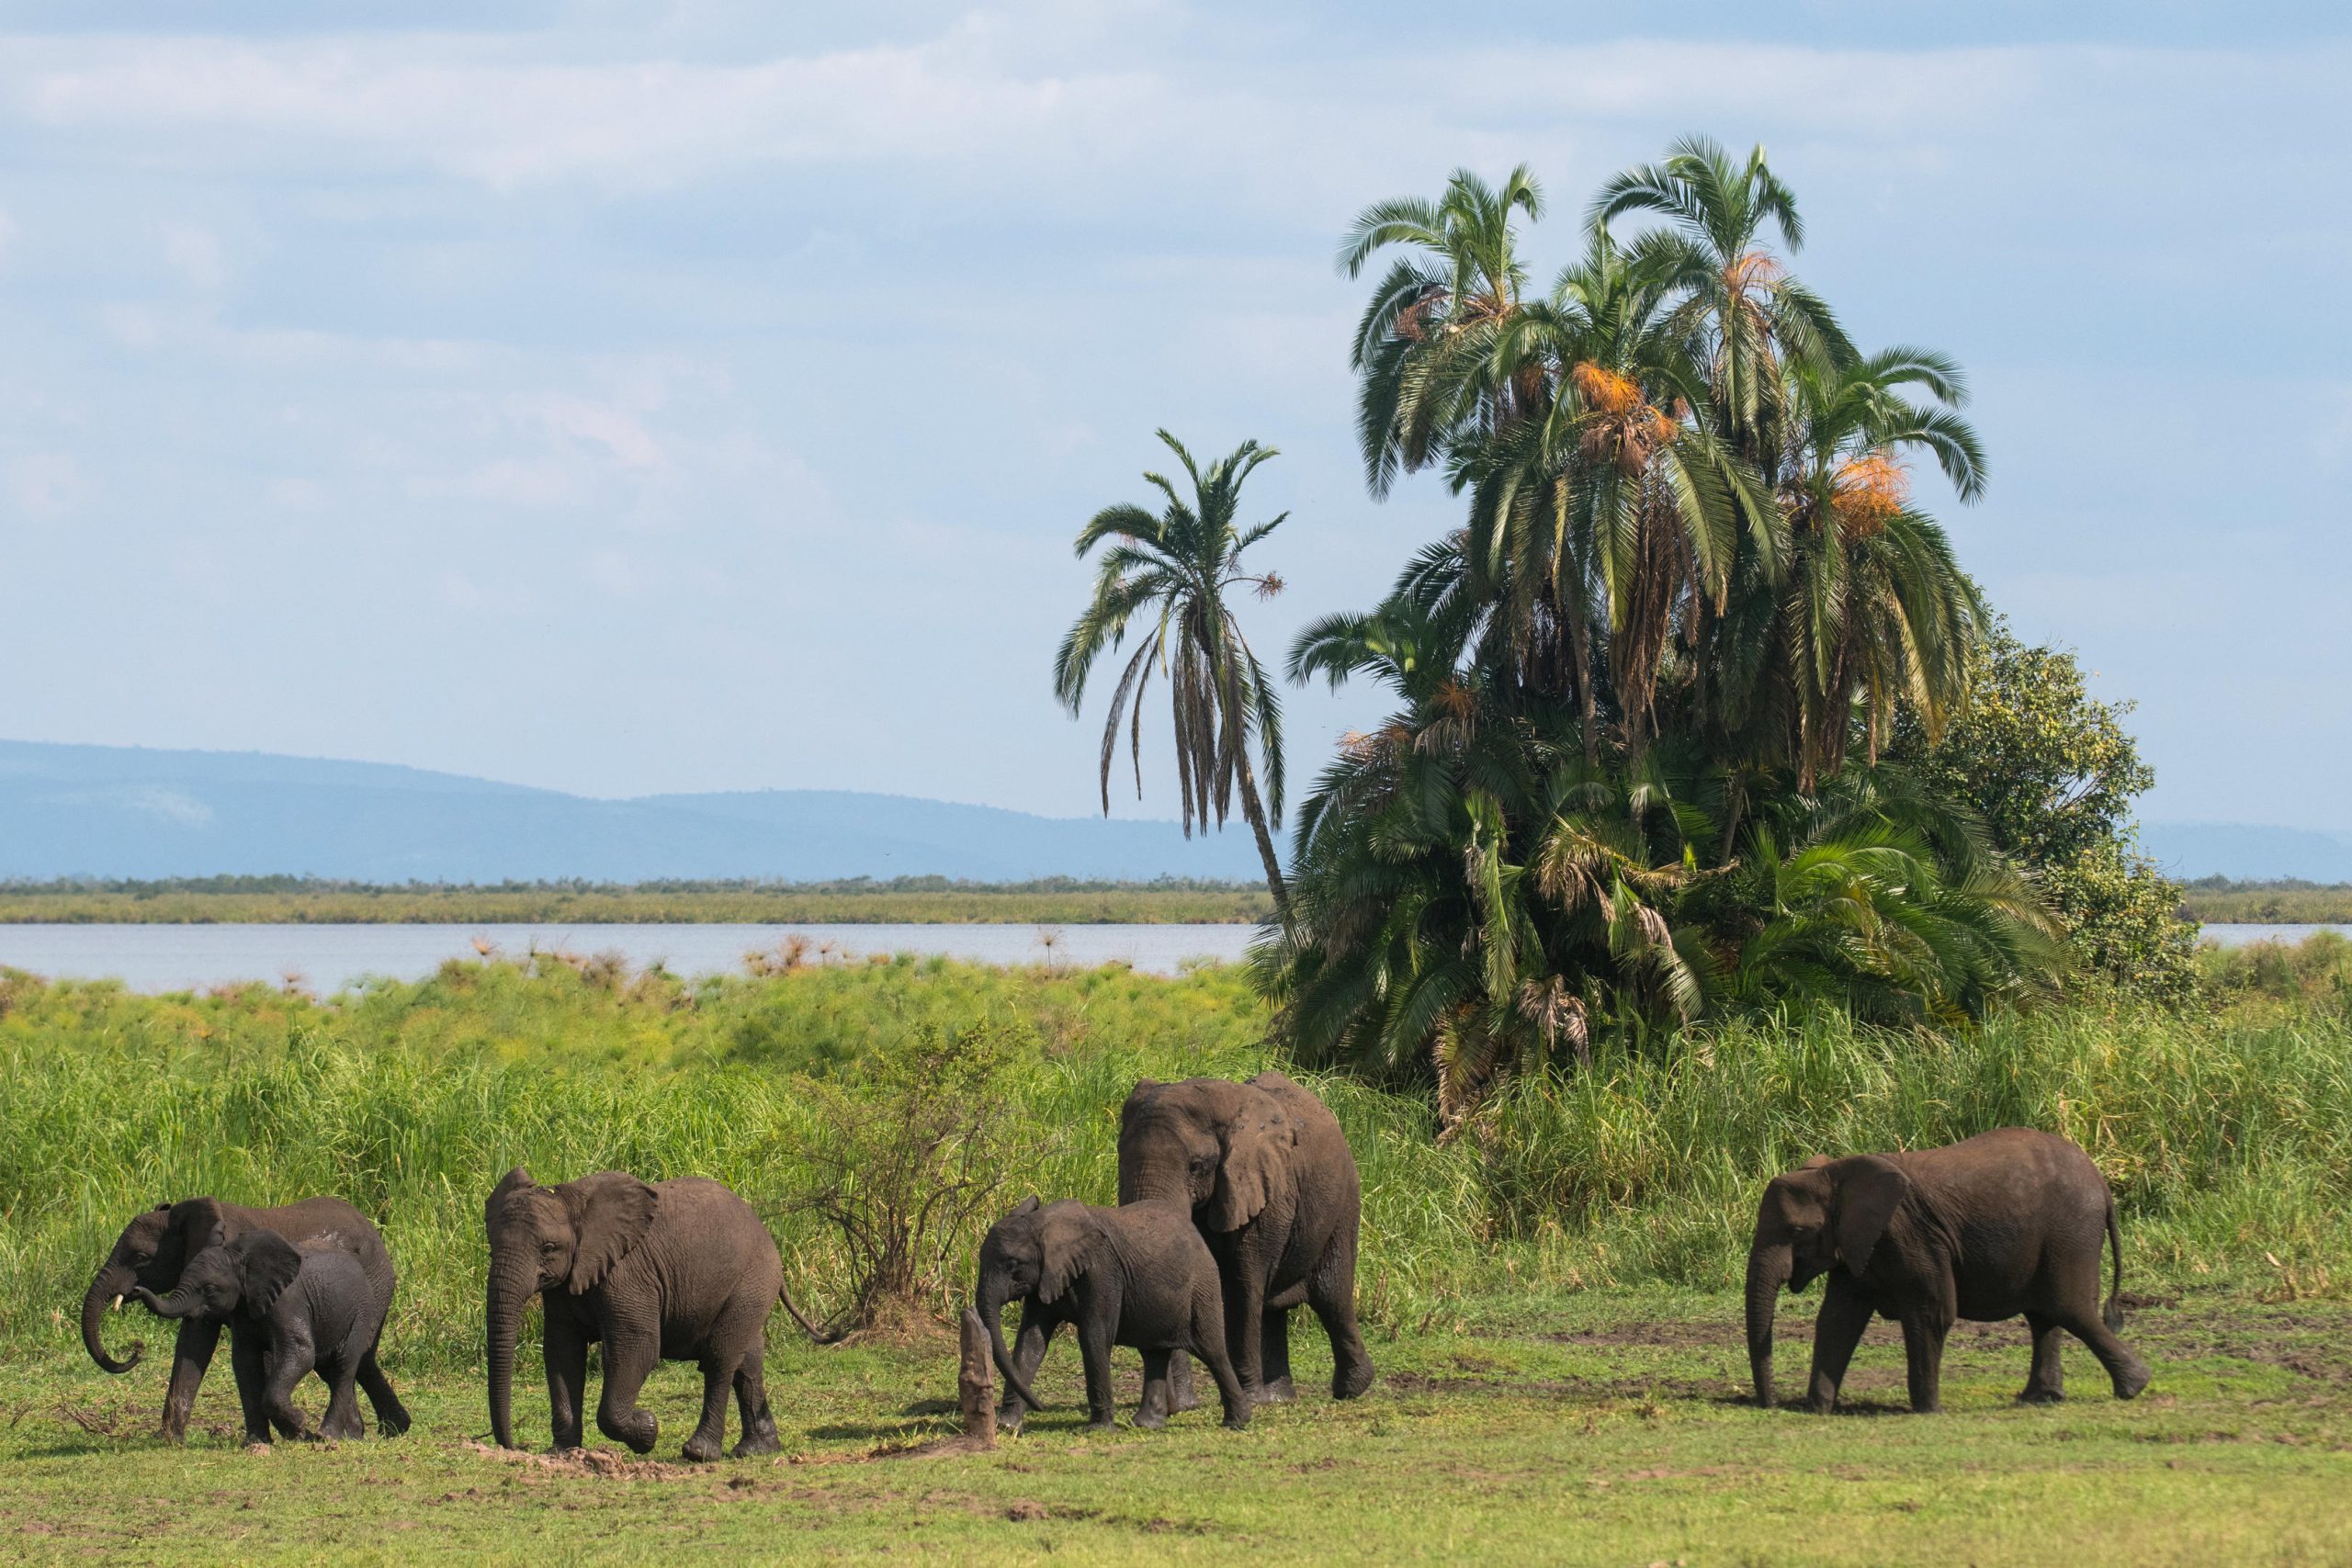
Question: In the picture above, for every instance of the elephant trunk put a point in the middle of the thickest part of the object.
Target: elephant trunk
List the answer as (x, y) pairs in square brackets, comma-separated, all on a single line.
[(111, 1283), (990, 1303), (1768, 1271), (181, 1302), (509, 1293)]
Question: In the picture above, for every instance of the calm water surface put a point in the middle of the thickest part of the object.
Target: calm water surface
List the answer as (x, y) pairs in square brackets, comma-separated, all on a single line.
[(327, 958)]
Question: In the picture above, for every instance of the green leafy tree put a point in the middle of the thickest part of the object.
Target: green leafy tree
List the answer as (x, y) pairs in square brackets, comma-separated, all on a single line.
[(2053, 773), (1174, 571)]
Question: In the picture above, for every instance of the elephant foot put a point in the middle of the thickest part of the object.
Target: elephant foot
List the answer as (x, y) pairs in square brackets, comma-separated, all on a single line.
[(1179, 1403), (1009, 1417), (1351, 1383), (636, 1440), (765, 1441), (392, 1424), (2042, 1396), (2132, 1378), (701, 1448), (1281, 1391), (1102, 1423), (1150, 1419)]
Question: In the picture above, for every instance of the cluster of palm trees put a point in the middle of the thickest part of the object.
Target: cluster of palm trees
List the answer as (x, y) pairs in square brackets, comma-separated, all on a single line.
[(1620, 788)]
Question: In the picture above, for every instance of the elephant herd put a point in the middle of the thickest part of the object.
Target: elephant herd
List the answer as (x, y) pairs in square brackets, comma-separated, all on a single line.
[(1237, 1202)]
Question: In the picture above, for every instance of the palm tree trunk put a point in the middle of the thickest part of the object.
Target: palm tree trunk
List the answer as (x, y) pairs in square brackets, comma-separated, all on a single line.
[(1580, 637), (1254, 809)]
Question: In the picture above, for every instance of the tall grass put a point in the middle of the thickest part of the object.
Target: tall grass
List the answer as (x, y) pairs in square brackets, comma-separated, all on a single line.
[(2229, 1137)]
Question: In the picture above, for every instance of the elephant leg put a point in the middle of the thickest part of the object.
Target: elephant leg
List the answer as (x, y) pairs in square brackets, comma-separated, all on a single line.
[(342, 1419), (192, 1350), (2125, 1369), (1245, 1322), (752, 1404), (1152, 1413), (245, 1363), (629, 1356), (1274, 1384), (1180, 1397), (391, 1415), (1331, 1294), (1208, 1337), (710, 1432), (1837, 1329), (1923, 1355), (567, 1358), (1028, 1354), (2046, 1383), (278, 1398), (1094, 1345)]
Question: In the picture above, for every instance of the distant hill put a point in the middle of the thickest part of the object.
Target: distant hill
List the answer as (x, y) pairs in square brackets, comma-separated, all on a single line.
[(2191, 850), (111, 811)]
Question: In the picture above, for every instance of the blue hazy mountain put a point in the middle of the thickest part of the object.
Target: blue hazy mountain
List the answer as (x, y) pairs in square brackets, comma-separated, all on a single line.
[(113, 811), (2191, 850)]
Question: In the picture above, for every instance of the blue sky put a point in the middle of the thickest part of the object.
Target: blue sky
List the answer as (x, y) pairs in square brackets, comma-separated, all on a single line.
[(643, 397)]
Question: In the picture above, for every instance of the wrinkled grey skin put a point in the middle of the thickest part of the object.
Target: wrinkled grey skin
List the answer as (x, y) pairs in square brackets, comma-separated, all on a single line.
[(290, 1312), (2003, 1224), (1272, 1187), (154, 1248), (675, 1270), (1138, 1275)]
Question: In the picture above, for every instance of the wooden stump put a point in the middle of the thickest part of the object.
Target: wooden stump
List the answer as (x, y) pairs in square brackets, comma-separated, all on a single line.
[(976, 1383)]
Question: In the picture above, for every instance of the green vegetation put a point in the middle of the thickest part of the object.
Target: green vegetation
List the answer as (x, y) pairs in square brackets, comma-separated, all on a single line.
[(2051, 772), (1550, 1290), (1683, 729), (1174, 572), (2216, 900), (915, 900), (1576, 1429)]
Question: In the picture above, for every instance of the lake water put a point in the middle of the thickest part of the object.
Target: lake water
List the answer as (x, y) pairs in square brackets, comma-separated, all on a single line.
[(328, 958)]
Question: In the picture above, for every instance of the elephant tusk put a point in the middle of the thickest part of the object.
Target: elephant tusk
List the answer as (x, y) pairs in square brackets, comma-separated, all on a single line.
[(118, 1303)]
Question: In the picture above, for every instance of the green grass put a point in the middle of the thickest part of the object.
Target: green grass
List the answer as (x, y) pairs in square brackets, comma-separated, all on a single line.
[(1548, 1294), (910, 901), (2298, 903), (1590, 1427)]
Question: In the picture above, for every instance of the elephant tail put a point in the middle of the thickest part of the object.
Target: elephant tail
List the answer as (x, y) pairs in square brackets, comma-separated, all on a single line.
[(818, 1336), (2113, 1315)]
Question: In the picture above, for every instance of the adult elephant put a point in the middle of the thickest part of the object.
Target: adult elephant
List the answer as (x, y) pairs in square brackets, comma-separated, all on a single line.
[(1272, 1186), (2005, 1223), (665, 1270), (155, 1247)]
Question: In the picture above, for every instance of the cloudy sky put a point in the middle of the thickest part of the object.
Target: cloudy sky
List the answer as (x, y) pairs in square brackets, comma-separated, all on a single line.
[(668, 397)]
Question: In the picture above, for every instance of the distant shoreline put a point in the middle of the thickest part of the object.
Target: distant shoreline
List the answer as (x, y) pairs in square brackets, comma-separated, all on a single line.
[(297, 903)]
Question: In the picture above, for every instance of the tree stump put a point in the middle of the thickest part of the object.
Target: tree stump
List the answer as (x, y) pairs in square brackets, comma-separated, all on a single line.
[(976, 1383)]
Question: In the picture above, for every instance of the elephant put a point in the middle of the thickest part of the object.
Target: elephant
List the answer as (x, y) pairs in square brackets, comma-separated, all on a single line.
[(302, 1309), (678, 1270), (1272, 1187), (2005, 1223), (1137, 1275), (155, 1247)]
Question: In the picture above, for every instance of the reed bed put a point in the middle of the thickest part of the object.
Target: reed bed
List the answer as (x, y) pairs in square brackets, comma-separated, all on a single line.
[(2227, 1133)]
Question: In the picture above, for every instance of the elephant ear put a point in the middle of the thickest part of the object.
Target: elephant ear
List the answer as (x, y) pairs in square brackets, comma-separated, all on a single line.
[(188, 1229), (1869, 1188), (613, 1210), (1069, 1234), (1258, 1142), (266, 1264)]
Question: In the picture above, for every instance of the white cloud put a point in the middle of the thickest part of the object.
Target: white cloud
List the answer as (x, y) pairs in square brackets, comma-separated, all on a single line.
[(194, 254)]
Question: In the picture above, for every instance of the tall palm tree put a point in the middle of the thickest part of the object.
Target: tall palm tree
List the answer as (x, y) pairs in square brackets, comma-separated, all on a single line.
[(1424, 349), (1173, 572)]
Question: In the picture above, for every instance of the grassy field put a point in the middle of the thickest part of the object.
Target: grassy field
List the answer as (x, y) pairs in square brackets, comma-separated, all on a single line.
[(1551, 1297), (2267, 904), (913, 902), (1597, 1427)]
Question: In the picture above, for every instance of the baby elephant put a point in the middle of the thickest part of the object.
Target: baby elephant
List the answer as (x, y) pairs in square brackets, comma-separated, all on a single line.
[(1137, 1275), (2004, 1223), (289, 1311)]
